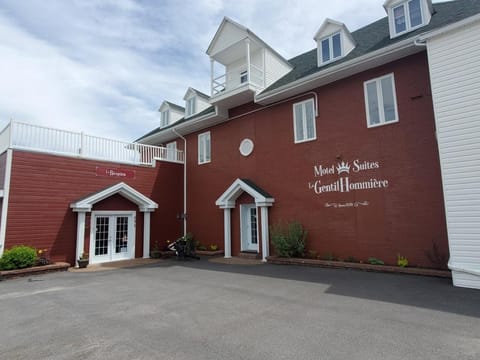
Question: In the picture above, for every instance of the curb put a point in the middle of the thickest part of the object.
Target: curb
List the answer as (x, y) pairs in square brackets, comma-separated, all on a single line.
[(358, 266), (35, 270)]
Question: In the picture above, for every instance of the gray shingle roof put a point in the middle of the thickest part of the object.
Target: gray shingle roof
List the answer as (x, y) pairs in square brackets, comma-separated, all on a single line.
[(376, 36)]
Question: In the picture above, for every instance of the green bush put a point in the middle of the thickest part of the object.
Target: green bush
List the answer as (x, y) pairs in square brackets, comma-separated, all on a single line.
[(288, 240), (18, 257)]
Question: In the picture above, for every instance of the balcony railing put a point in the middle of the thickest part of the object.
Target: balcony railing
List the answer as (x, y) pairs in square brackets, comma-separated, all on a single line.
[(232, 80), (17, 135)]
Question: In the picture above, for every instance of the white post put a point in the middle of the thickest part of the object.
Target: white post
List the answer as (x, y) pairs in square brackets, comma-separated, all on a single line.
[(247, 42), (265, 239), (228, 232), (80, 235), (146, 235), (212, 76)]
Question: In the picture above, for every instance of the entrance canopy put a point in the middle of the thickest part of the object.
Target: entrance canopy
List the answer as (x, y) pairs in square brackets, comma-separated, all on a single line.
[(144, 203), (228, 198)]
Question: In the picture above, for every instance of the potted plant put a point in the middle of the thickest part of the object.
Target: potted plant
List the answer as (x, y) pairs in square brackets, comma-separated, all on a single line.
[(83, 261)]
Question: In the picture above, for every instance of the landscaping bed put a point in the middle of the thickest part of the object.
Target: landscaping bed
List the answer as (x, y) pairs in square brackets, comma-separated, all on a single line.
[(209, 252), (359, 266), (34, 270)]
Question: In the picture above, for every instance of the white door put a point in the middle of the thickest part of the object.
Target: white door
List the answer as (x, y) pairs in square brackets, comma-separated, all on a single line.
[(112, 236), (248, 228)]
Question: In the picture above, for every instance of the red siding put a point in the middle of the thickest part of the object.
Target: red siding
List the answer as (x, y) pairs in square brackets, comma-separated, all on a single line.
[(404, 218), (43, 186)]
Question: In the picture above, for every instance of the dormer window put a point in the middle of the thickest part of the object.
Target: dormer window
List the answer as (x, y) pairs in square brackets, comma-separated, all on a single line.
[(405, 16), (334, 41), (164, 118), (331, 48), (190, 106)]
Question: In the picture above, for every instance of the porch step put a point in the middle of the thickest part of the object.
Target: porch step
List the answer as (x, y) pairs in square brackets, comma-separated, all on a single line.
[(253, 255)]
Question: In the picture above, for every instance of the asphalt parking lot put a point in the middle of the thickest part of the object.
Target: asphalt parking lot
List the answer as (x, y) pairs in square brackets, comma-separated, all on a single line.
[(204, 310)]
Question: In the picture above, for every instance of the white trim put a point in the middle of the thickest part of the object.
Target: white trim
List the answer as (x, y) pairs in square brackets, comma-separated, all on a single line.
[(244, 238), (146, 235), (451, 27), (228, 198), (265, 234), (227, 232), (143, 202), (381, 109), (330, 49), (93, 259), (202, 146), (406, 13), (304, 121), (80, 236), (6, 196)]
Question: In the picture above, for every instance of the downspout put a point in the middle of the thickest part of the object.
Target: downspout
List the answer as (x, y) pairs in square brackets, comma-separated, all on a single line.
[(184, 215)]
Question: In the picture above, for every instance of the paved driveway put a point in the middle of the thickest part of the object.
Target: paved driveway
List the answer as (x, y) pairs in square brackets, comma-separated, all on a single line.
[(203, 310)]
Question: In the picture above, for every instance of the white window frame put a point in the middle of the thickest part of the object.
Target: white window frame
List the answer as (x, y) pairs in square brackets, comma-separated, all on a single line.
[(406, 11), (202, 148), (171, 150), (330, 48), (164, 118), (304, 121), (190, 106), (378, 82)]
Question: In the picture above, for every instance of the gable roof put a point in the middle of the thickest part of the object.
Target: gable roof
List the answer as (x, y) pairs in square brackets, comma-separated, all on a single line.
[(172, 106), (376, 36), (228, 198), (196, 92), (86, 203)]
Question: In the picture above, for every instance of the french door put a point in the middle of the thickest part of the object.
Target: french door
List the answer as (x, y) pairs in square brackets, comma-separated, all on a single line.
[(248, 227), (112, 236)]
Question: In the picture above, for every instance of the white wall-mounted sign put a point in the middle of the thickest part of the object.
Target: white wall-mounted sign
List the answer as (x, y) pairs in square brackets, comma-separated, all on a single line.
[(343, 182)]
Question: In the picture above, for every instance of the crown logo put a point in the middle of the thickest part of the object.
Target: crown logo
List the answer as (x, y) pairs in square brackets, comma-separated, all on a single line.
[(343, 167)]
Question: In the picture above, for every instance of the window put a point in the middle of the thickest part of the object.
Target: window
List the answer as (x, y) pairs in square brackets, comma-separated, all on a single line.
[(172, 151), (243, 77), (164, 118), (331, 48), (204, 148), (407, 16), (304, 121), (190, 106), (380, 101)]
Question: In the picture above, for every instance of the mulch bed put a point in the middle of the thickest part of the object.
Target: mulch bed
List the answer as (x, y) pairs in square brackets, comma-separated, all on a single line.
[(35, 270)]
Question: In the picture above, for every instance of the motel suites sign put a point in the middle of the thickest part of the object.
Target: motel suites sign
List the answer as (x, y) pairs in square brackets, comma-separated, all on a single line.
[(344, 183)]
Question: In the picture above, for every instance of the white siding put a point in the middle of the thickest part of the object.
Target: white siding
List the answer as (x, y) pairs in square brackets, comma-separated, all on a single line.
[(454, 60), (275, 68), (230, 35)]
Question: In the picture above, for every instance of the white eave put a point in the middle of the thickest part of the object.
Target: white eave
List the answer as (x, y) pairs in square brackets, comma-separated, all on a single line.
[(340, 71), (451, 27), (187, 127)]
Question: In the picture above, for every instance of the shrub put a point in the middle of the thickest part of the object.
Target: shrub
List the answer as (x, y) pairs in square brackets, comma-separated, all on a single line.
[(288, 240), (402, 261), (375, 261), (18, 257)]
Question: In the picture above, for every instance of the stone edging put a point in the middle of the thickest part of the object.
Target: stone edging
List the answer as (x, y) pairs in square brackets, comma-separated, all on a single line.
[(35, 270), (209, 253), (366, 267)]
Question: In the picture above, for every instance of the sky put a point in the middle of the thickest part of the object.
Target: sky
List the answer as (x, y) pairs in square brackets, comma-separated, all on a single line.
[(104, 66)]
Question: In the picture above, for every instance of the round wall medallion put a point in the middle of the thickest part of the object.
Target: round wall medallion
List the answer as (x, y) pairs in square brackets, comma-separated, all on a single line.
[(246, 147)]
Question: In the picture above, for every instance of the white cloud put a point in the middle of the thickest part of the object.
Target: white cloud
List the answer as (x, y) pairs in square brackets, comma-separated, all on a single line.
[(104, 67)]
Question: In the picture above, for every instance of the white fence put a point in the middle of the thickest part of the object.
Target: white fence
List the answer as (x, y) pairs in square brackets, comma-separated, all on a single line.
[(17, 135), (232, 80)]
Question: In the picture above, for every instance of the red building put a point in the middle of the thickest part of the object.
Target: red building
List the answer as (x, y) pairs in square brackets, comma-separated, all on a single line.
[(368, 140)]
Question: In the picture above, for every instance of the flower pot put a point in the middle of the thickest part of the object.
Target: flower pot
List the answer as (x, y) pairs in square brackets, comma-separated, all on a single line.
[(82, 263)]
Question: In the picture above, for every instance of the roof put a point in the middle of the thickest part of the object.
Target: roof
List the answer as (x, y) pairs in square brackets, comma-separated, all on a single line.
[(197, 92), (208, 110), (376, 36), (368, 39), (228, 198), (173, 106)]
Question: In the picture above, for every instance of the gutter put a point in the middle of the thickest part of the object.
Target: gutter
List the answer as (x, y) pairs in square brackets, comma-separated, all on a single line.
[(364, 59), (184, 215)]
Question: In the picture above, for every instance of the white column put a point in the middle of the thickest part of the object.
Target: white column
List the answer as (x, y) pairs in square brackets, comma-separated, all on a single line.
[(228, 232), (247, 43), (212, 76), (146, 235), (80, 235), (265, 239)]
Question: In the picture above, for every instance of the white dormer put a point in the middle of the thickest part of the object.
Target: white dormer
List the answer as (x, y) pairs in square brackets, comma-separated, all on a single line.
[(170, 113), (334, 41), (407, 15), (195, 102), (242, 65)]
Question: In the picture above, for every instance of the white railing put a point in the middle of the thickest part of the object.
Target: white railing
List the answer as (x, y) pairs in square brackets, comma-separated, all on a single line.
[(231, 80), (17, 135)]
